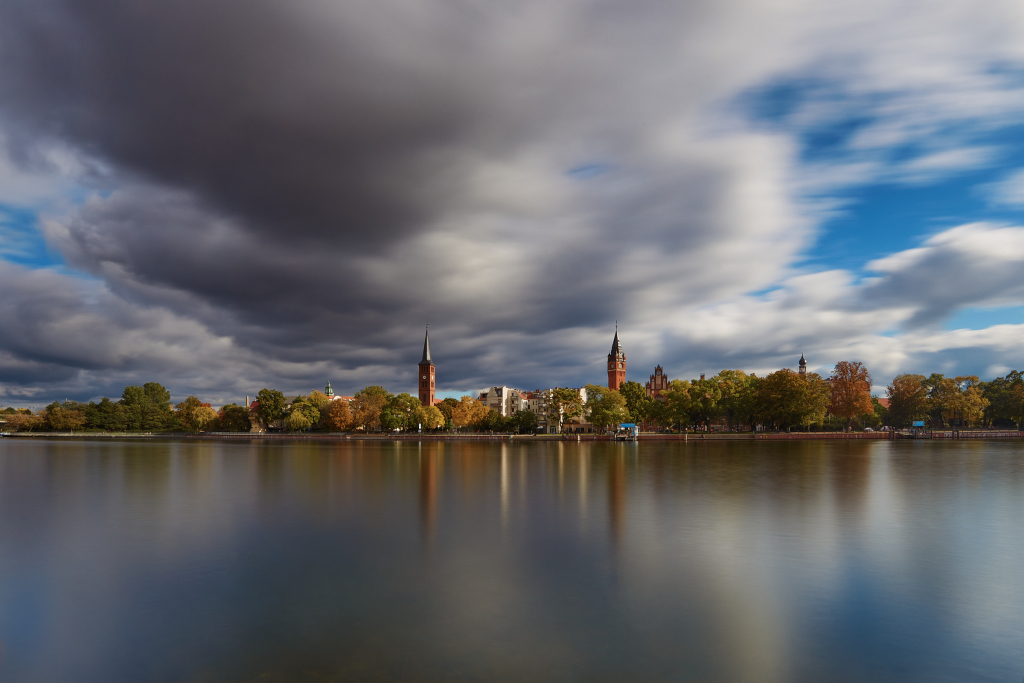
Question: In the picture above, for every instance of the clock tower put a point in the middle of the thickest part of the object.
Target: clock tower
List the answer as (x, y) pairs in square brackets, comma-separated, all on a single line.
[(616, 363), (426, 373)]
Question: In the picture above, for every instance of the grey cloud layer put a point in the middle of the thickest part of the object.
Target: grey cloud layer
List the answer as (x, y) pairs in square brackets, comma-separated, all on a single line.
[(306, 184)]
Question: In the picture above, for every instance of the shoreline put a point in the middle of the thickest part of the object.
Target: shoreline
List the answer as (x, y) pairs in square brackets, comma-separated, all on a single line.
[(688, 437)]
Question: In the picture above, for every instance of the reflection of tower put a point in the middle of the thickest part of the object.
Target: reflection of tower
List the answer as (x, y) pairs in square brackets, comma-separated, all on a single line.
[(426, 373), (616, 363), (803, 365), (428, 491), (616, 495)]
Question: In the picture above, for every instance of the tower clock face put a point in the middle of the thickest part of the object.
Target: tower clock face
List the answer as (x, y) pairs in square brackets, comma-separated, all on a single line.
[(424, 376), (620, 365)]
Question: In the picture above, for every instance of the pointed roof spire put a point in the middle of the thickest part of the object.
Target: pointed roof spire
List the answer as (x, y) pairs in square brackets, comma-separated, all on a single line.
[(426, 349), (616, 344), (329, 391), (802, 361)]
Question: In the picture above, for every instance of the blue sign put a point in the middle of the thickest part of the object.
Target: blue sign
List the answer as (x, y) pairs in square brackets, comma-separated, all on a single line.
[(627, 425), (919, 423)]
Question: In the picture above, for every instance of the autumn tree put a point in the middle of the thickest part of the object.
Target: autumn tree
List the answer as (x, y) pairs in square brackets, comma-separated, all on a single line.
[(337, 417), (367, 406), (908, 400), (195, 416), (63, 418), (430, 417), (851, 390), (469, 411), (605, 407), (960, 399)]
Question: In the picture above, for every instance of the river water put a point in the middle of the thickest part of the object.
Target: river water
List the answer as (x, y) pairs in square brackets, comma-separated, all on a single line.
[(729, 561)]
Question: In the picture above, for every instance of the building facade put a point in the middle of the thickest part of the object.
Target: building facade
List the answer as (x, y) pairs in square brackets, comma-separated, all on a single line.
[(505, 400), (658, 383)]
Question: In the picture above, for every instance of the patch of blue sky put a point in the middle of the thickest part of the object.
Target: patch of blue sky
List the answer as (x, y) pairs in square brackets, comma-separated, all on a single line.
[(22, 242), (588, 171), (902, 205), (977, 318)]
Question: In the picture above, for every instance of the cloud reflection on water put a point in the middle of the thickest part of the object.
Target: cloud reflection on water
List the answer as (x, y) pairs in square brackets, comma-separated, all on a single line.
[(726, 561)]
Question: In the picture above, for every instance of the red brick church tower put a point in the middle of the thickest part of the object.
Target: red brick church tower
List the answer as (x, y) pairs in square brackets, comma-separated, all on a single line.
[(426, 373), (616, 363)]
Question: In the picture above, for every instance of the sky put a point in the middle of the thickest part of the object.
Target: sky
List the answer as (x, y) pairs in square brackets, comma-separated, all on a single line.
[(227, 195)]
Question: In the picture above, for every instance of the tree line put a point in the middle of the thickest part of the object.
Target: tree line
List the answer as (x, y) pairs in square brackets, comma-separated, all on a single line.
[(780, 400), (375, 409), (786, 399), (145, 408)]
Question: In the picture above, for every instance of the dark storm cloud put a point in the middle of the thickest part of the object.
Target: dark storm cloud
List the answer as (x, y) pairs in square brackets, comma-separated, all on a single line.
[(287, 192)]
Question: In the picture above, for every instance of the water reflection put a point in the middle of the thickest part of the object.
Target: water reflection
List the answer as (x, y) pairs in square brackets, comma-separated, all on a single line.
[(554, 560)]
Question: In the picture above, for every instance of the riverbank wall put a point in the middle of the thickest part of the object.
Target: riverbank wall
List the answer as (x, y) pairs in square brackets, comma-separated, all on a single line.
[(520, 438)]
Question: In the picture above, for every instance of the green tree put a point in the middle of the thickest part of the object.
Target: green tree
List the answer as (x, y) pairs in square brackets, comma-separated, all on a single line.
[(492, 421), (781, 399), (638, 403), (297, 421), (735, 388), (270, 406), (816, 400), (704, 396), (404, 406), (309, 411), (321, 402), (235, 418), (676, 408), (564, 404), (524, 422), (158, 396), (446, 407), (605, 407), (908, 400)]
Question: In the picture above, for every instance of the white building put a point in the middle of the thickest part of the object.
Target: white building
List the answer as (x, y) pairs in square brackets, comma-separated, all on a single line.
[(505, 400)]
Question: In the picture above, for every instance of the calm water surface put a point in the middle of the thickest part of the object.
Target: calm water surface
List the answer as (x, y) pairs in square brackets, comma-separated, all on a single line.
[(812, 561)]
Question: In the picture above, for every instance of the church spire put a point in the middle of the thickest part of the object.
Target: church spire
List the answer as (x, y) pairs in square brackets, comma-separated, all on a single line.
[(426, 349)]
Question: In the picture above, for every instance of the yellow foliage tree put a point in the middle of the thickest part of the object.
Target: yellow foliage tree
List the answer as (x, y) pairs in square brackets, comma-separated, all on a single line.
[(468, 412)]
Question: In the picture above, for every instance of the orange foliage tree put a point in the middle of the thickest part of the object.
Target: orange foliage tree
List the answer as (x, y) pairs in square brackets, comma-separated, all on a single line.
[(851, 390)]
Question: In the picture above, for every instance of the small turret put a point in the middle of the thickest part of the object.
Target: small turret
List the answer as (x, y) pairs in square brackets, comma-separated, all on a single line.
[(803, 365), (329, 392)]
